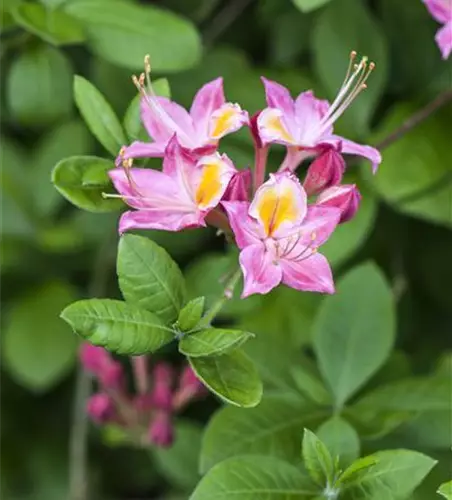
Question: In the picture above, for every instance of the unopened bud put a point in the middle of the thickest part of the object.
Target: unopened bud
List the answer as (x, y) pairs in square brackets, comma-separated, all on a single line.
[(239, 187), (345, 197), (325, 171), (100, 408), (161, 430)]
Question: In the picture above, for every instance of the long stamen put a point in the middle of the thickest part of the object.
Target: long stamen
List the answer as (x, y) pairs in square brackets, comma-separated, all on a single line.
[(302, 255)]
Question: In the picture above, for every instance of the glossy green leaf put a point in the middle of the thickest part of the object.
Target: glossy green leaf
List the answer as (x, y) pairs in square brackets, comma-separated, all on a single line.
[(273, 428), (344, 26), (341, 439), (252, 477), (38, 86), (82, 180), (354, 331), (232, 377), (212, 342), (38, 348), (190, 314), (317, 459), (53, 26), (308, 5), (124, 33), (149, 278), (98, 115), (445, 490), (357, 469), (117, 326)]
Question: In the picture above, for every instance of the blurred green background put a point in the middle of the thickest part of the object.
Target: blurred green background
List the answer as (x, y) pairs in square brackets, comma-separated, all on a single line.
[(49, 248)]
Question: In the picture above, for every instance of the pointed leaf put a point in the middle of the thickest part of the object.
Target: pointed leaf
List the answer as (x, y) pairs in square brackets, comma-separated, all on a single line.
[(212, 341), (191, 314), (309, 5), (117, 326), (149, 278), (446, 490), (232, 376), (317, 459)]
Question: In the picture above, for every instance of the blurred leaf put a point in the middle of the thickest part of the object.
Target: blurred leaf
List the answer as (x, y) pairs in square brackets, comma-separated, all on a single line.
[(149, 277), (39, 86), (212, 341), (117, 326), (307, 380), (190, 314), (341, 439), (341, 27), (38, 349), (445, 490), (429, 430), (179, 464), (232, 377), (243, 477), (68, 139), (124, 33), (273, 428), (317, 459), (53, 26), (308, 5), (98, 115), (354, 331), (82, 180)]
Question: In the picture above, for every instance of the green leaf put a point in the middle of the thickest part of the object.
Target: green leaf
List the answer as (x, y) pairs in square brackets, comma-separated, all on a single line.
[(232, 377), (252, 477), (98, 115), (38, 349), (53, 26), (309, 383), (317, 459), (212, 341), (123, 33), (132, 118), (273, 428), (341, 439), (446, 490), (395, 475), (341, 27), (117, 326), (149, 278), (38, 86), (308, 5), (179, 464), (190, 314), (82, 180), (357, 469), (354, 331)]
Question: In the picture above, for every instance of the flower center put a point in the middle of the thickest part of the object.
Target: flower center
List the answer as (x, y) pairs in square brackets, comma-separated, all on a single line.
[(209, 186), (276, 207)]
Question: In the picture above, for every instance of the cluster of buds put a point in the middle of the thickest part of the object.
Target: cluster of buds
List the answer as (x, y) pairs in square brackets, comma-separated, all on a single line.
[(271, 221), (147, 414)]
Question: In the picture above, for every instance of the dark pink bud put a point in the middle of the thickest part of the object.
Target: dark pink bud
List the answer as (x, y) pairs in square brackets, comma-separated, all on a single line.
[(239, 187), (255, 130), (325, 171), (345, 197), (190, 387), (162, 392), (93, 358), (112, 376), (100, 408), (161, 430), (189, 380)]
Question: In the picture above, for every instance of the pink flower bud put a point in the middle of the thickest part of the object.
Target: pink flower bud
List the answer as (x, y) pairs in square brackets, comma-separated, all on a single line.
[(189, 380), (345, 197), (190, 387), (162, 392), (325, 171), (161, 430), (112, 376), (100, 408), (239, 187), (255, 130), (93, 358)]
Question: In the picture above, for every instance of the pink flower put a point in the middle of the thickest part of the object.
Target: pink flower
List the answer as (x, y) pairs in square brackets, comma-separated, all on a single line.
[(325, 171), (441, 11), (178, 197), (305, 124), (100, 408), (161, 430), (278, 235), (239, 187), (162, 392), (210, 118), (345, 197), (99, 362)]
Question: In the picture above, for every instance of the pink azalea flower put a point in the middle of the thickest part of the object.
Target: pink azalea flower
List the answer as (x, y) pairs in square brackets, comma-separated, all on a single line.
[(179, 197), (441, 11), (278, 235), (305, 124), (210, 118)]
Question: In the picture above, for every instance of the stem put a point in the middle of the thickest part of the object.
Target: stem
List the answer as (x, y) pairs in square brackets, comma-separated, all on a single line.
[(416, 119), (140, 371), (218, 305), (260, 166)]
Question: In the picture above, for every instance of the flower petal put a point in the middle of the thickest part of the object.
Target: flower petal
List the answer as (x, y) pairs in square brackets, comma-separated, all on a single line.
[(209, 98), (159, 219), (274, 126), (309, 112), (140, 149), (318, 225), (226, 120), (260, 272), (246, 230), (279, 204), (278, 97), (444, 39), (310, 275), (440, 10), (350, 147)]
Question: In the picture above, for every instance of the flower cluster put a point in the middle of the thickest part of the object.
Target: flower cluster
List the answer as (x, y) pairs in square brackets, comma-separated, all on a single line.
[(276, 229), (148, 414), (441, 11)]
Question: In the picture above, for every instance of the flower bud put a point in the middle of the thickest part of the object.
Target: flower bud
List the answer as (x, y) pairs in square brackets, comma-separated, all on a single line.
[(161, 430), (112, 376), (100, 408), (345, 197), (325, 171), (162, 392), (190, 387), (255, 130), (93, 358), (239, 187)]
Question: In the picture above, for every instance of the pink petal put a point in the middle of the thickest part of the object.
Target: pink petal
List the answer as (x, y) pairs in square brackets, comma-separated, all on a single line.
[(278, 97), (208, 98), (350, 147), (239, 187), (345, 197), (441, 10), (444, 39), (319, 224), (276, 127), (309, 112), (246, 230), (142, 150), (310, 275), (260, 272), (159, 219)]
